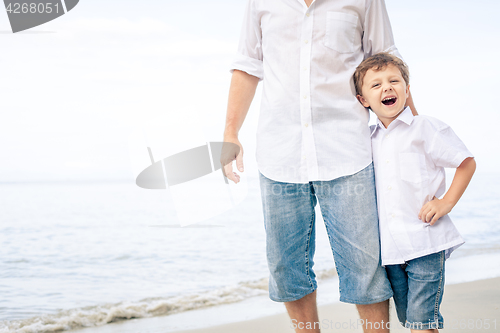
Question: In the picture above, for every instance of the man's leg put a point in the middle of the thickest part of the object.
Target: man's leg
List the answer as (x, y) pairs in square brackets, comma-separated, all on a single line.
[(374, 313), (289, 221), (304, 314), (349, 209)]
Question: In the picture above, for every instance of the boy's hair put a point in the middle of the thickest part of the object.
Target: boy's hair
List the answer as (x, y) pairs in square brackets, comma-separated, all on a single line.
[(378, 62)]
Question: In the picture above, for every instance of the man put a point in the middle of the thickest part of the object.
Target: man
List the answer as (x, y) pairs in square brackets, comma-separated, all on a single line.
[(313, 144)]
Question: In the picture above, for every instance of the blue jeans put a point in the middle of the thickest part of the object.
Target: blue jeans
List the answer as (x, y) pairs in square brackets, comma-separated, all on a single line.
[(349, 209), (418, 287)]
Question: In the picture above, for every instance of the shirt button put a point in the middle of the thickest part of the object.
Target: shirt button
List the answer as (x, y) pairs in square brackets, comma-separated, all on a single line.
[(305, 96), (389, 187), (306, 124), (308, 14), (387, 161), (306, 41), (305, 68), (393, 215), (387, 136), (304, 157)]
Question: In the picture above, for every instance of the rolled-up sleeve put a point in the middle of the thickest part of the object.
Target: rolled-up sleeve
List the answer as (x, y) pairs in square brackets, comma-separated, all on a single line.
[(378, 35), (249, 56)]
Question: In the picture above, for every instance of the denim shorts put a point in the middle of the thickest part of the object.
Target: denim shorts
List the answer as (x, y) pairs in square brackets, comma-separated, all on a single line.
[(418, 291), (349, 209)]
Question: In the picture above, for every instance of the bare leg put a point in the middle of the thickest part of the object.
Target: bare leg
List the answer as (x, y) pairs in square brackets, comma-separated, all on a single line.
[(375, 317), (304, 314)]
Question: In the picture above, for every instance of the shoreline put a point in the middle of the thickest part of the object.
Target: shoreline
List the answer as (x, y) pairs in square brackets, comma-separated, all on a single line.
[(200, 312), (467, 307)]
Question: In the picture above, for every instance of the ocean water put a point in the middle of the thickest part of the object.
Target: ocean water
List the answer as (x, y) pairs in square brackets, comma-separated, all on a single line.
[(86, 254)]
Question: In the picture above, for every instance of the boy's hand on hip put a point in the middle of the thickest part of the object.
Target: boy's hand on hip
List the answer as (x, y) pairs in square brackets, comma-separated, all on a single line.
[(433, 210), (436, 208)]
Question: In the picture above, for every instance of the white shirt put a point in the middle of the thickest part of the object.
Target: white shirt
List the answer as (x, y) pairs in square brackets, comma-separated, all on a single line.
[(409, 159), (311, 127)]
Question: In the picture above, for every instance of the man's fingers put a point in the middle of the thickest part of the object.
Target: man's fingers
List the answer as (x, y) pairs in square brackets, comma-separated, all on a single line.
[(239, 162), (234, 177), (231, 151), (237, 177), (228, 170)]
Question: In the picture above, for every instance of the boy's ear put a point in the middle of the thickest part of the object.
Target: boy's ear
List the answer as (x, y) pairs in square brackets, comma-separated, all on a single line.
[(407, 90), (363, 101)]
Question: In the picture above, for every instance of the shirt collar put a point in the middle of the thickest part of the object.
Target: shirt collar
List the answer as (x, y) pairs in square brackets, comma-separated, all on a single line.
[(406, 117), (304, 4)]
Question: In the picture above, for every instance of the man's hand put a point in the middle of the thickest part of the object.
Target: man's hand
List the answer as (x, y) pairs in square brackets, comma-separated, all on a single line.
[(229, 154), (433, 210), (409, 102)]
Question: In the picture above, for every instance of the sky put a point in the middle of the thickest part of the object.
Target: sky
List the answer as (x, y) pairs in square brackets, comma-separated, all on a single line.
[(83, 95)]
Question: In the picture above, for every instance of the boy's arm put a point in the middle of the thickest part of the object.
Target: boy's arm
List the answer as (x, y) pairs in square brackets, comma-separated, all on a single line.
[(436, 208)]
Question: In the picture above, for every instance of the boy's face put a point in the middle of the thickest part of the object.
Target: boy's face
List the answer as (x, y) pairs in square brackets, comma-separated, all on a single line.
[(385, 92)]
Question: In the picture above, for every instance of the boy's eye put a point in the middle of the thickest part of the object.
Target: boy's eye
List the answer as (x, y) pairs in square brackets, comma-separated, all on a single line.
[(395, 81), (375, 85)]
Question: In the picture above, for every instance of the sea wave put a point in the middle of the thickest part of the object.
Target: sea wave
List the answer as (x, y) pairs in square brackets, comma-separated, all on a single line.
[(92, 316)]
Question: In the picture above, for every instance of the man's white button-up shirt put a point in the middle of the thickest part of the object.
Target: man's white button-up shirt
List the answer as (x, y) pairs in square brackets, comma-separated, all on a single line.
[(409, 159), (311, 127)]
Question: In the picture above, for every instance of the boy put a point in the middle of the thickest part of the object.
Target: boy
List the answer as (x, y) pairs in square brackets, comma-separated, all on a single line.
[(409, 155)]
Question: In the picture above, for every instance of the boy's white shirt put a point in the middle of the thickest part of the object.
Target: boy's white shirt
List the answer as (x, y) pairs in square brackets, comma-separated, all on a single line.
[(409, 159)]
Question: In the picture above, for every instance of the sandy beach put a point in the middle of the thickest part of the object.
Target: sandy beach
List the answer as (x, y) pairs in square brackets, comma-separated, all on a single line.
[(467, 307)]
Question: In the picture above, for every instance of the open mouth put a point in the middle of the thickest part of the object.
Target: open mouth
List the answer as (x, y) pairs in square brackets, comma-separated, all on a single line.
[(389, 100)]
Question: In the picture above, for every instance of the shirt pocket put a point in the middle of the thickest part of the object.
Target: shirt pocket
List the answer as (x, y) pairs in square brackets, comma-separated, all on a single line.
[(340, 32), (412, 167)]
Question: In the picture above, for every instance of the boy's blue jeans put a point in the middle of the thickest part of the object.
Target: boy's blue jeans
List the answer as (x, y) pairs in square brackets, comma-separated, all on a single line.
[(418, 291), (349, 209)]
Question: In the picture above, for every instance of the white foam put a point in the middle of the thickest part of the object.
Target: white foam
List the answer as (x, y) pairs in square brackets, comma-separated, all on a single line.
[(108, 313), (251, 308), (245, 301), (179, 306)]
